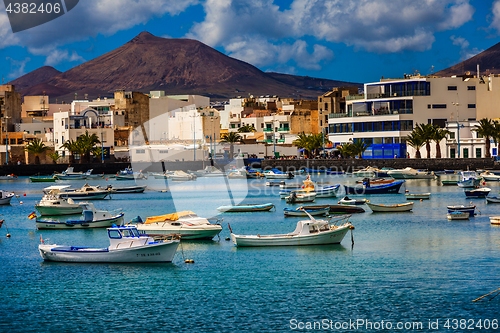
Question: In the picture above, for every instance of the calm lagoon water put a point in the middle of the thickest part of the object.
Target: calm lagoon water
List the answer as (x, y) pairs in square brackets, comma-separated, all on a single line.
[(404, 267)]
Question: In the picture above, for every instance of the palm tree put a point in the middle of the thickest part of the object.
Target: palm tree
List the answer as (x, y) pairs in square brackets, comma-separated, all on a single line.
[(246, 129), (438, 134), (231, 138), (486, 129), (70, 146), (416, 141), (55, 156), (346, 150), (425, 131), (86, 143), (359, 146), (303, 142), (36, 147)]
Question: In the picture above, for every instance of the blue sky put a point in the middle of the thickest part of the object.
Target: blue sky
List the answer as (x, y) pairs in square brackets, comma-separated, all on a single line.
[(350, 40)]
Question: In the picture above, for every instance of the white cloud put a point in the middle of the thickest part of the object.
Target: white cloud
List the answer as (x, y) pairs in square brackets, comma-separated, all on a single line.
[(495, 24), (17, 67), (384, 26), (55, 56), (465, 51)]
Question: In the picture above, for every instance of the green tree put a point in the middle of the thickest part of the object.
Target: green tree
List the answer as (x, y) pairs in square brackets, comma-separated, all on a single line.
[(55, 156), (416, 141), (231, 138), (486, 129), (86, 143), (425, 131), (303, 142), (346, 150), (36, 147), (359, 146), (71, 147), (246, 129), (438, 134)]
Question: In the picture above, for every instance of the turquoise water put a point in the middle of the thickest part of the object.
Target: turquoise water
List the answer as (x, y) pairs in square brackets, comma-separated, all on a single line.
[(403, 267)]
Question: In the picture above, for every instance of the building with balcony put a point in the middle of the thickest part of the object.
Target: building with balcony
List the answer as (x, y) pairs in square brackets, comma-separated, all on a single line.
[(334, 102), (390, 109)]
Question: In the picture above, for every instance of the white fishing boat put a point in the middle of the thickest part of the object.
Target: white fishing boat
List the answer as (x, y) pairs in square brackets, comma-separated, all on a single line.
[(457, 215), (480, 192), (366, 172), (277, 174), (52, 204), (237, 174), (180, 176), (296, 197), (290, 186), (129, 174), (8, 177), (495, 220), (6, 197), (126, 189), (468, 179), (87, 192), (490, 177), (307, 232), (301, 211), (348, 201), (400, 173), (70, 174), (186, 224), (126, 246), (92, 218), (493, 199), (404, 207), (418, 196), (209, 171)]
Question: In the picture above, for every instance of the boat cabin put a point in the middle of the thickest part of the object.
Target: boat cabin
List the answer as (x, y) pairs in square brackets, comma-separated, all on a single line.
[(126, 236), (310, 227)]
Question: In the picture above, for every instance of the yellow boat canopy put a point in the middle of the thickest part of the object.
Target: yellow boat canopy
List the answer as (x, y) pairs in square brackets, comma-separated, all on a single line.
[(171, 217)]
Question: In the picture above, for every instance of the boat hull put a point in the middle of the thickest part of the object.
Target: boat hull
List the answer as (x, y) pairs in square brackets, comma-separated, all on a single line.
[(338, 209), (387, 188), (457, 216), (334, 236), (493, 199), (44, 225), (469, 209), (85, 196), (312, 212), (130, 189), (469, 183), (419, 196), (246, 208), (156, 252), (54, 211), (406, 207), (6, 201), (42, 180), (154, 229)]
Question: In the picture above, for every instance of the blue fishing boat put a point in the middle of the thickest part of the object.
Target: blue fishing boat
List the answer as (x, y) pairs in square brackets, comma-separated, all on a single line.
[(461, 208), (380, 189), (481, 192), (246, 208)]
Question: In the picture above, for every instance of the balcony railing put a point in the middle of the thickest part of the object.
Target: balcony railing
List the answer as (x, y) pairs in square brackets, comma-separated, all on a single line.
[(283, 129), (401, 94), (269, 141), (338, 115), (267, 130), (381, 112), (281, 141), (354, 97)]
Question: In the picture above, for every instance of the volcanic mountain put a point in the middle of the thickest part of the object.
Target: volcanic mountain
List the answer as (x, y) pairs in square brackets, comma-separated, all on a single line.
[(35, 77), (488, 61), (178, 66)]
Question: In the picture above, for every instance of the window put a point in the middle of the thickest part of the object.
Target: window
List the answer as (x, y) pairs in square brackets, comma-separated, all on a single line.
[(452, 87), (439, 106), (471, 106), (494, 152), (478, 152), (140, 151), (428, 106), (378, 140), (466, 152), (452, 135), (471, 87), (441, 123), (262, 125), (387, 140), (114, 234), (163, 151), (479, 136), (452, 152)]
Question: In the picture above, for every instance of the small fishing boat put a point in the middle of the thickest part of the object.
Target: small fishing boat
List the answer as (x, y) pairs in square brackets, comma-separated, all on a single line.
[(275, 184), (87, 192), (468, 179), (461, 208), (495, 220), (311, 187), (400, 173), (338, 209), (52, 204), (419, 174), (301, 211), (295, 197), (209, 171), (92, 218), (126, 246), (246, 208), (237, 174), (457, 215), (366, 172), (481, 192), (449, 182), (8, 177), (417, 196), (181, 176), (186, 224), (127, 189), (129, 174), (277, 174), (307, 232), (6, 197), (376, 181), (379, 189), (43, 179), (290, 186), (348, 201), (404, 207), (164, 175), (490, 177), (493, 199), (70, 174)]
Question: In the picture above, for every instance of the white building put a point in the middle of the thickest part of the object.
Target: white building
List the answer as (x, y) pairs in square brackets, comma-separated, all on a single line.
[(389, 110)]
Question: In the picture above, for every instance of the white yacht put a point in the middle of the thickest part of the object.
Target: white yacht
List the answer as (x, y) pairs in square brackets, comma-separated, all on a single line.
[(52, 204)]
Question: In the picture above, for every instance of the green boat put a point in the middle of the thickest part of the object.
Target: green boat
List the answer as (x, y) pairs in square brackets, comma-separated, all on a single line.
[(42, 179), (449, 182)]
